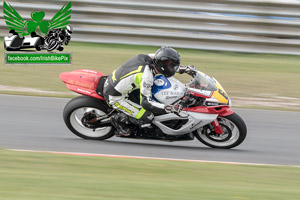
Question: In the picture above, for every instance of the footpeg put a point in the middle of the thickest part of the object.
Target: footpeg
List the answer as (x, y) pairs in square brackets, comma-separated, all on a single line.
[(146, 126)]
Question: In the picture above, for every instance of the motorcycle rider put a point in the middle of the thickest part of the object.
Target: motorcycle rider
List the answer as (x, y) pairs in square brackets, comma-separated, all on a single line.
[(138, 73), (60, 36)]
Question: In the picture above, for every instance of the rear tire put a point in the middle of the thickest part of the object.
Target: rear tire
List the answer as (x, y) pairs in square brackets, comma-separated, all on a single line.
[(74, 111), (234, 133)]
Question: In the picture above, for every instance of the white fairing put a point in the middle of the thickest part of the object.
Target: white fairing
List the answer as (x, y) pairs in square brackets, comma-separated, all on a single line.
[(27, 42), (31, 41), (170, 91), (8, 40), (195, 121)]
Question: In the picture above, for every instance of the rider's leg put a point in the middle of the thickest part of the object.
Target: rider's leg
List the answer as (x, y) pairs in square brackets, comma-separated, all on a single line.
[(136, 114)]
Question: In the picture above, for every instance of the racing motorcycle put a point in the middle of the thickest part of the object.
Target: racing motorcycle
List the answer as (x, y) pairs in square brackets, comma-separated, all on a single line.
[(206, 113), (56, 38)]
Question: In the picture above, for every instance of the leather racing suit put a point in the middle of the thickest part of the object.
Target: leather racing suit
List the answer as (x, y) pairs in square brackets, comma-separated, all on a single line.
[(136, 73)]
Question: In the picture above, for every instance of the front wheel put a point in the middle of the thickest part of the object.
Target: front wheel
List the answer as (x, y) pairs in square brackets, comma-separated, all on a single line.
[(52, 45), (234, 133), (78, 110)]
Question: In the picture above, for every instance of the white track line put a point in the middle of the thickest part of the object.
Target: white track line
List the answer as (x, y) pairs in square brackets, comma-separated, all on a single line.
[(151, 158)]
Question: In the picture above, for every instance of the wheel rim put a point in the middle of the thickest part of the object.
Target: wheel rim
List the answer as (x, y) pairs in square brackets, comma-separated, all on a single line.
[(226, 138), (75, 119), (52, 45)]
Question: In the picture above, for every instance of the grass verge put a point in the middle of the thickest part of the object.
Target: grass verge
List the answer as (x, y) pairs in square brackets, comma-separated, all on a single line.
[(241, 74), (26, 175)]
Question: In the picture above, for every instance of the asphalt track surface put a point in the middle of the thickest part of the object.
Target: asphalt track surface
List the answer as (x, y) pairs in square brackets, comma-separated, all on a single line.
[(35, 123)]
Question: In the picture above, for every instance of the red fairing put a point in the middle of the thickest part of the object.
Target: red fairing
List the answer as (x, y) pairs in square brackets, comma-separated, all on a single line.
[(220, 110), (82, 81)]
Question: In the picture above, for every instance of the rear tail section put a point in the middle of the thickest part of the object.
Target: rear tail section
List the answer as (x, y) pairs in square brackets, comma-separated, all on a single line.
[(84, 81)]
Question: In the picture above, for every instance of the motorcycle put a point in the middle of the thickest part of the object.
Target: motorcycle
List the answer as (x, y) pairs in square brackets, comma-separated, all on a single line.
[(56, 38), (14, 42), (206, 114)]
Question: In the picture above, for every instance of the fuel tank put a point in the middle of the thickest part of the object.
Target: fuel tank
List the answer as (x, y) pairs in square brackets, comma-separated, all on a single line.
[(167, 90)]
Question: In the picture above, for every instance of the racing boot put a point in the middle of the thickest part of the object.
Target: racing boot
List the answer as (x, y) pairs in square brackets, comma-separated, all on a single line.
[(144, 122), (119, 121)]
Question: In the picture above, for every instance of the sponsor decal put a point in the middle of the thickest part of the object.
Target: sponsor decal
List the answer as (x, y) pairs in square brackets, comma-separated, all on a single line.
[(175, 87), (223, 94), (81, 84), (90, 71), (70, 81), (203, 92), (85, 85), (172, 93), (37, 34), (171, 97), (85, 91), (212, 103), (159, 82)]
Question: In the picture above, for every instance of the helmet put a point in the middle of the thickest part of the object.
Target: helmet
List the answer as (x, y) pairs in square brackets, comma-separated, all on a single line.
[(69, 29), (166, 61)]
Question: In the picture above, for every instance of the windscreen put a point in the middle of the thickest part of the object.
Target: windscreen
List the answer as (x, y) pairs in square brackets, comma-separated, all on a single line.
[(202, 81)]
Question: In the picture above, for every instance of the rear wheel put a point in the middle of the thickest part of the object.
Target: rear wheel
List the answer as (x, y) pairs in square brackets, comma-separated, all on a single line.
[(81, 109), (234, 133)]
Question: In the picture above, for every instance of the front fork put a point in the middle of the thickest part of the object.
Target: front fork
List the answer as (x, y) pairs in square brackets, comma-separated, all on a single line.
[(217, 127)]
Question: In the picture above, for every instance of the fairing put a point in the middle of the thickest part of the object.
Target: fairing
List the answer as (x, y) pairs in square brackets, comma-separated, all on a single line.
[(195, 121), (220, 96), (167, 90), (204, 86), (220, 110), (82, 81), (201, 85)]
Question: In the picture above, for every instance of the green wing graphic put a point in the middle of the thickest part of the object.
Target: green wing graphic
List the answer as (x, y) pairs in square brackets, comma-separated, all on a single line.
[(14, 20), (62, 18)]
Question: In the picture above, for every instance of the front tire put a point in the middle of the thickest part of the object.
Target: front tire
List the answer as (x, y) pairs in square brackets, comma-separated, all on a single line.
[(234, 133), (75, 110), (52, 45)]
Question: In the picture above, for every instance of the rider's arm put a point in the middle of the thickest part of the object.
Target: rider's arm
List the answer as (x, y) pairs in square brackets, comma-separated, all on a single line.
[(147, 103), (189, 69)]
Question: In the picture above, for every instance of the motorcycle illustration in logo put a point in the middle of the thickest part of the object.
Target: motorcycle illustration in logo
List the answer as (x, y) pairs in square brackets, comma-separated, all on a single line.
[(57, 32)]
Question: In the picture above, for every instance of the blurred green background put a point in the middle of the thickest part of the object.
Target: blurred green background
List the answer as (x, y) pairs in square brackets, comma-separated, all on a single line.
[(243, 75)]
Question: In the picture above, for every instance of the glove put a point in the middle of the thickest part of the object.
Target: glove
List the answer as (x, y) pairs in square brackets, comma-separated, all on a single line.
[(176, 108), (190, 70)]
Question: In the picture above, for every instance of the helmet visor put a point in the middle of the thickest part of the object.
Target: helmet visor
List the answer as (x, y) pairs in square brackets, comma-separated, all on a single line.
[(171, 67)]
